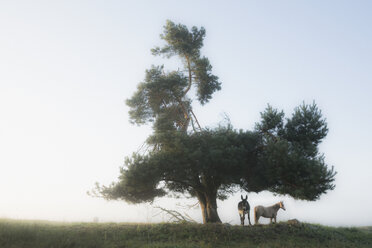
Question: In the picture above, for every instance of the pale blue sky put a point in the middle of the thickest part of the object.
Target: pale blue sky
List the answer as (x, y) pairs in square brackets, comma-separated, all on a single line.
[(66, 68)]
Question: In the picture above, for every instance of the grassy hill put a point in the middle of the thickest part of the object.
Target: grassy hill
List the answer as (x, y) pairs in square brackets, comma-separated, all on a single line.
[(29, 234)]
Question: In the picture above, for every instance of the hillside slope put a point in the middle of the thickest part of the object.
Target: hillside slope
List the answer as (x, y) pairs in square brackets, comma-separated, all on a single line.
[(83, 235)]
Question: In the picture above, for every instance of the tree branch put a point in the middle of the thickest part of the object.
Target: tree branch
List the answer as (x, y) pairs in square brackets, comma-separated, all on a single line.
[(186, 114), (190, 76), (181, 182), (177, 216), (197, 122)]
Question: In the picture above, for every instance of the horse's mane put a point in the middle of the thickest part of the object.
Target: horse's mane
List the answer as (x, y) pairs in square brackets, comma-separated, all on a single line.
[(276, 204)]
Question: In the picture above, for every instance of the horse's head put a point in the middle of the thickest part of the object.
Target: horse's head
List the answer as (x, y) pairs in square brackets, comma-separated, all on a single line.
[(281, 205), (244, 202)]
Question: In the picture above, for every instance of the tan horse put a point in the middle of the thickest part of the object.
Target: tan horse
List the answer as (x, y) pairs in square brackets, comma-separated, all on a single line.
[(267, 212)]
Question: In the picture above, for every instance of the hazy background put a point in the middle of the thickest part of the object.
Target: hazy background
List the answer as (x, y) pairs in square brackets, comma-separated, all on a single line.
[(66, 68)]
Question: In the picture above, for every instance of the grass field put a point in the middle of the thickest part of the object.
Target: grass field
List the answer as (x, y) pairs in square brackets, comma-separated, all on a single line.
[(38, 234)]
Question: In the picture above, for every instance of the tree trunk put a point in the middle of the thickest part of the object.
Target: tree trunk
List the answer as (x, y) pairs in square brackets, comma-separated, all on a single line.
[(208, 205)]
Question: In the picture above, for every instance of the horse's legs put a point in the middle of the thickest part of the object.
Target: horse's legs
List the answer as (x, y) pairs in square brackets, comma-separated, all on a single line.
[(249, 219), (275, 219), (242, 217), (271, 220), (256, 219), (255, 216)]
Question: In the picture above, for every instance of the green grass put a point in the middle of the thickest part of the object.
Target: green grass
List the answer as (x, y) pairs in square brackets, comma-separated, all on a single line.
[(19, 234)]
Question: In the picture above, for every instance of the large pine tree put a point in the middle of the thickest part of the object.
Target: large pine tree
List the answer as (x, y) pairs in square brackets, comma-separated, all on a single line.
[(279, 155)]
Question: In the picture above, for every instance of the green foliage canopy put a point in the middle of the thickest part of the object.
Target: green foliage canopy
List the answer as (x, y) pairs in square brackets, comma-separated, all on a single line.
[(162, 97), (273, 157)]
